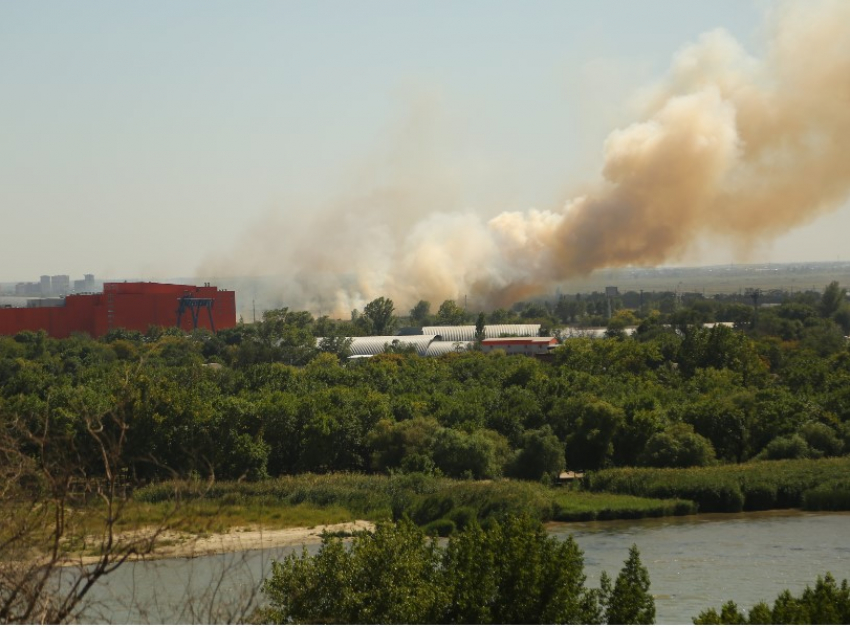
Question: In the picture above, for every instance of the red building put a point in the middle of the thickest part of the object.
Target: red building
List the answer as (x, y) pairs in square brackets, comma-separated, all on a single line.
[(133, 306), (520, 345)]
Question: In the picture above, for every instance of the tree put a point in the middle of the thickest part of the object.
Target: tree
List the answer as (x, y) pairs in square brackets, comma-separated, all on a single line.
[(513, 572), (450, 313), (336, 344), (832, 299), (825, 604), (378, 318), (542, 454), (404, 445), (677, 447), (479, 455), (589, 426), (47, 462), (479, 327), (389, 577), (421, 313), (630, 602)]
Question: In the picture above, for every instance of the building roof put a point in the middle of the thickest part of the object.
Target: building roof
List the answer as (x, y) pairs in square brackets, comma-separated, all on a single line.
[(370, 345), (466, 332), (438, 347), (519, 341)]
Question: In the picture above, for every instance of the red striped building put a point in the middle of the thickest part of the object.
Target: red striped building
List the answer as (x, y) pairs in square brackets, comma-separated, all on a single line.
[(520, 345)]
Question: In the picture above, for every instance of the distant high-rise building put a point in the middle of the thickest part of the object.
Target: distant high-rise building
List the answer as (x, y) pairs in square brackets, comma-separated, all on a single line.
[(45, 285), (85, 286), (60, 284), (28, 289)]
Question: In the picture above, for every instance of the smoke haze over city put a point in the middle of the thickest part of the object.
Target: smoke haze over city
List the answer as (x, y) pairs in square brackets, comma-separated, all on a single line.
[(410, 163)]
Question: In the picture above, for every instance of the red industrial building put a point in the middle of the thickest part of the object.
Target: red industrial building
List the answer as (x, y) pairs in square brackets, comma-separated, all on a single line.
[(133, 306), (520, 345)]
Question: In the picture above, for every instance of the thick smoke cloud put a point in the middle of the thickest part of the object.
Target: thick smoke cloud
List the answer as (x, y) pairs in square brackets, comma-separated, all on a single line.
[(730, 146)]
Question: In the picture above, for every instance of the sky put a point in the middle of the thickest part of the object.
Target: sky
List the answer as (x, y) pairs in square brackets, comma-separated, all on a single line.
[(160, 139)]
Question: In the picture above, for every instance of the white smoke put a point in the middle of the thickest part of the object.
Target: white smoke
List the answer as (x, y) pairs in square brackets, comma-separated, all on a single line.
[(730, 146)]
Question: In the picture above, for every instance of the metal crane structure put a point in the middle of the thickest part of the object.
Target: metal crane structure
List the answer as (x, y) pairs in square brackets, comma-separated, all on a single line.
[(193, 306)]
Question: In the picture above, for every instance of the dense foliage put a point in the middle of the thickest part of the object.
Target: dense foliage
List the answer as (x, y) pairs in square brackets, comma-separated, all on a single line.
[(510, 573), (761, 485), (825, 604), (439, 504), (261, 400)]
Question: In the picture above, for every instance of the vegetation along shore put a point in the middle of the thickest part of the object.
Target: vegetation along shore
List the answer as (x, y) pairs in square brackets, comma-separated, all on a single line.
[(133, 445)]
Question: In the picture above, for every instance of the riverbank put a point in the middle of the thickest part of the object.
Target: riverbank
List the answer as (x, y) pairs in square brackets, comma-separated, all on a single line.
[(253, 539), (172, 544), (694, 562)]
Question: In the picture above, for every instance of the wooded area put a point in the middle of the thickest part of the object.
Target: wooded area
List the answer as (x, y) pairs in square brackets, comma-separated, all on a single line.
[(747, 409)]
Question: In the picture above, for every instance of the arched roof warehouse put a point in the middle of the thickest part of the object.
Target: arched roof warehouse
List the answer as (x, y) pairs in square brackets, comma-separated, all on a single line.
[(437, 348), (466, 333), (376, 344)]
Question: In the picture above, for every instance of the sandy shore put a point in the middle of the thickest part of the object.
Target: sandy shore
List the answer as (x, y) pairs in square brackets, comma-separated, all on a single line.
[(171, 544)]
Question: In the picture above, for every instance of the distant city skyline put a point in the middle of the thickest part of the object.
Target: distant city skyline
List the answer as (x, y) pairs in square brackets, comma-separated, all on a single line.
[(153, 139)]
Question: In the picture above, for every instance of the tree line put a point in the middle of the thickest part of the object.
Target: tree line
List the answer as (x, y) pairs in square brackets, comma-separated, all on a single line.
[(263, 400)]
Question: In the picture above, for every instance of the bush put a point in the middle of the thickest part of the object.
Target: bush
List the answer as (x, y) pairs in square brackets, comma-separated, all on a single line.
[(759, 496), (787, 447), (463, 517), (833, 496), (442, 527), (431, 508), (728, 488)]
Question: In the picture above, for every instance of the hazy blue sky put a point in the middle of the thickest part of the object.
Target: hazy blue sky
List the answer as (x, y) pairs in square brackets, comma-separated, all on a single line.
[(139, 138)]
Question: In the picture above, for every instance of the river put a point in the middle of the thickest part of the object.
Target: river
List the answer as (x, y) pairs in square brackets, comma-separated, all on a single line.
[(694, 562)]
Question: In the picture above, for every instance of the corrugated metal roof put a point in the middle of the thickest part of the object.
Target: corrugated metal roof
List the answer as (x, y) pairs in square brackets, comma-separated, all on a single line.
[(376, 344), (536, 341), (437, 348), (466, 332), (566, 333)]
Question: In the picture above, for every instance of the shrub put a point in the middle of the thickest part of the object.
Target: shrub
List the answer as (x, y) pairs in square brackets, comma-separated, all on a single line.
[(442, 527), (728, 488)]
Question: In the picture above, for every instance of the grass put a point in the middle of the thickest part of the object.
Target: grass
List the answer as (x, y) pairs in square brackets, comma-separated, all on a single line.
[(803, 483), (424, 499), (580, 506), (206, 516)]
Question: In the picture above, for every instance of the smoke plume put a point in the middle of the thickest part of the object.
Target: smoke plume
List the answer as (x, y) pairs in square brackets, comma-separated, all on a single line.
[(729, 146)]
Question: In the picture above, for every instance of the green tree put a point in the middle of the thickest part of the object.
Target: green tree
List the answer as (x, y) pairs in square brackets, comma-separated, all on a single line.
[(405, 445), (588, 425), (479, 455), (677, 447), (832, 299), (421, 313), (377, 317), (509, 573), (630, 602), (336, 344), (542, 454), (451, 313), (825, 604), (479, 327), (389, 577)]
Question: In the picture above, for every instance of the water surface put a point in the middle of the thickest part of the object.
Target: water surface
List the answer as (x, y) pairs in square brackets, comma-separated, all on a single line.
[(694, 562)]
